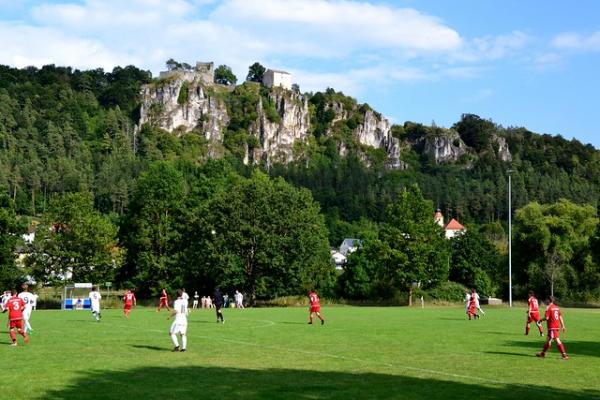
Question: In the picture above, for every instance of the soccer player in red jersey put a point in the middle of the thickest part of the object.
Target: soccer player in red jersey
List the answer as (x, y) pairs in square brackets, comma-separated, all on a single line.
[(129, 302), (15, 306), (164, 301), (472, 310), (315, 307), (533, 314), (555, 324)]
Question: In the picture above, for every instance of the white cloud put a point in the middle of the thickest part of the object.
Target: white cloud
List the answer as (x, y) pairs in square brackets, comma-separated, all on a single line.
[(340, 25), (493, 47), (355, 44), (30, 45), (577, 41)]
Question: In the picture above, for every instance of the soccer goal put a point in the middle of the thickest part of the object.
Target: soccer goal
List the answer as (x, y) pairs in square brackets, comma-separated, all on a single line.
[(75, 297)]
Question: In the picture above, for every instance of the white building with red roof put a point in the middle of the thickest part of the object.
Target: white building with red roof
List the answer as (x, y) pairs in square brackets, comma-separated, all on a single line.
[(454, 228)]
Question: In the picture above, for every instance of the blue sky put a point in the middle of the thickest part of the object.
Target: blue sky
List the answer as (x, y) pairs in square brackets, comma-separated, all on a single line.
[(519, 63)]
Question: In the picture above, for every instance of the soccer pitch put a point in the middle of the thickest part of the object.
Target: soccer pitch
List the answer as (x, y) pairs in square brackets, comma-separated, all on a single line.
[(272, 353)]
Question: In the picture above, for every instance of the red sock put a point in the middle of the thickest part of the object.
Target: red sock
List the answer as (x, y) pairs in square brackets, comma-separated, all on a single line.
[(561, 347), (540, 328), (546, 347), (13, 337)]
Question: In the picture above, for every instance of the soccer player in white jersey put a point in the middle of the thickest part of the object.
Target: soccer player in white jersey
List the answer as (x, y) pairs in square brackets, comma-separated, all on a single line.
[(95, 297), (28, 299), (5, 296), (180, 312)]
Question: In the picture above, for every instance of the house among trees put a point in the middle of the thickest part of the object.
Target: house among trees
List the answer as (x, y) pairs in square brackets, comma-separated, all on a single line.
[(350, 246), (452, 228), (338, 259), (340, 256), (273, 78)]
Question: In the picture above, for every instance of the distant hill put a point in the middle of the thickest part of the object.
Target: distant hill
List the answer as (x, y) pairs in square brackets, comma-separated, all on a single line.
[(68, 130)]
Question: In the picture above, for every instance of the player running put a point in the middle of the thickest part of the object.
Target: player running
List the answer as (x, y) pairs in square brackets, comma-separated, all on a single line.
[(130, 301), (95, 297), (179, 326), (315, 307), (218, 302), (15, 306), (533, 314), (472, 310), (196, 297), (164, 301), (28, 299), (475, 295), (555, 324), (5, 296)]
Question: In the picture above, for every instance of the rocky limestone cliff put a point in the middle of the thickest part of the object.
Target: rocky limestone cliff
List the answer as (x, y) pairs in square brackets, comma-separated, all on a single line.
[(446, 147), (201, 110), (161, 106), (376, 132), (276, 138), (502, 148)]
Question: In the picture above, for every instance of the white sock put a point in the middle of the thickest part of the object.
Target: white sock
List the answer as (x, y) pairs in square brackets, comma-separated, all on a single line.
[(183, 341), (174, 339), (27, 326)]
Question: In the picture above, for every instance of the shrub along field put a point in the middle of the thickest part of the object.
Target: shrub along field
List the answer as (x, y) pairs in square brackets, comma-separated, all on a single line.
[(271, 353)]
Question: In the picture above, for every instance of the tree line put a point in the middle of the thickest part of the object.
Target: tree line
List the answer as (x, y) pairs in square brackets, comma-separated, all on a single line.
[(146, 209)]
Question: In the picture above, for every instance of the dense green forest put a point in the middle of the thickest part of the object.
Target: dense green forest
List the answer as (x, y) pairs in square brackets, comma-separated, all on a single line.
[(146, 209)]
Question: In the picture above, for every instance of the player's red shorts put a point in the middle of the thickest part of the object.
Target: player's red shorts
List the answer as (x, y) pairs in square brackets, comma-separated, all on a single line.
[(127, 306), (18, 323), (471, 309), (315, 309), (554, 333), (533, 317)]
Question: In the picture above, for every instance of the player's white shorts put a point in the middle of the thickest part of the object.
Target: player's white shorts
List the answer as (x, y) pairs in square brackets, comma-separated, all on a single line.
[(178, 327), (26, 314), (96, 308)]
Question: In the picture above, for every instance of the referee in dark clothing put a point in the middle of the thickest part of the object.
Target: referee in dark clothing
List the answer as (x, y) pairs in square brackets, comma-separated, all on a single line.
[(218, 302)]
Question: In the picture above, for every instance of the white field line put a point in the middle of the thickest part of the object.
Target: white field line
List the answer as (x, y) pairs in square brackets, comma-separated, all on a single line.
[(433, 372)]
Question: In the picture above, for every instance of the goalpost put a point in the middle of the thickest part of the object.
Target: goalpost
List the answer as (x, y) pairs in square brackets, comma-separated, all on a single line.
[(75, 297)]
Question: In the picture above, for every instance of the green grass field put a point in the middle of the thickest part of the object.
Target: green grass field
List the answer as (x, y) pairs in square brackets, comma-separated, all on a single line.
[(271, 353)]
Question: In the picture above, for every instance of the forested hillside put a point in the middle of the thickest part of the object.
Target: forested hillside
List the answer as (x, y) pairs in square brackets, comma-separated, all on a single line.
[(162, 206)]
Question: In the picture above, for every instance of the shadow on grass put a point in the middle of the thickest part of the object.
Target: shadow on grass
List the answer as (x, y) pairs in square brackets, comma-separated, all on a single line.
[(506, 353), (219, 383), (573, 347), (146, 347)]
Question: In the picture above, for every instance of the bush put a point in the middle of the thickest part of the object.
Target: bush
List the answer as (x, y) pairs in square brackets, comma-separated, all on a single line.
[(184, 93), (48, 303), (448, 291)]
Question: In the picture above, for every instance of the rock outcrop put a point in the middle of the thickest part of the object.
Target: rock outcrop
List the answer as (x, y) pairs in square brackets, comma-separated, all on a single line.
[(376, 132), (162, 106), (199, 109), (502, 148), (446, 147), (276, 138)]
